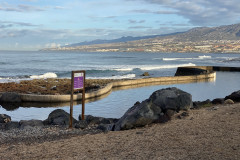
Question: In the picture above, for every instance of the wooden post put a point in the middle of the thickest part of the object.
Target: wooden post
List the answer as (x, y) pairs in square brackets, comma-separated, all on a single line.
[(71, 102), (83, 96), (77, 83)]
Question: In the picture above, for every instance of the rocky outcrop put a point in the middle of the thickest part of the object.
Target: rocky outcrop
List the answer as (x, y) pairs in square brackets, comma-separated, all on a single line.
[(145, 74), (185, 71), (98, 120), (160, 105), (12, 125), (104, 124), (58, 117), (82, 124), (200, 104), (218, 101), (6, 123), (5, 118), (235, 96), (30, 123)]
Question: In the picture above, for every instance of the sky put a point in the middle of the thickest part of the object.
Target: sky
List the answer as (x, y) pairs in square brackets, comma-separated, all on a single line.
[(37, 24)]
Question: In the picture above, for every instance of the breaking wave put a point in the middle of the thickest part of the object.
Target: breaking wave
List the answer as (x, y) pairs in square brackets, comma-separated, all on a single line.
[(45, 75), (199, 57), (152, 67)]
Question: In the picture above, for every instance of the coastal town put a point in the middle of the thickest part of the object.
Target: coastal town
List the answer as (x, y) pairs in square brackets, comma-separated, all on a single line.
[(161, 45)]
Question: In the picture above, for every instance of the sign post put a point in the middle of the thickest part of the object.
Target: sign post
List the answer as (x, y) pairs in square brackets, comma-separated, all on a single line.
[(77, 83)]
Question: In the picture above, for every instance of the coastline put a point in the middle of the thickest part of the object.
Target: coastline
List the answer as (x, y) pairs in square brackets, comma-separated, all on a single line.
[(210, 132), (106, 86)]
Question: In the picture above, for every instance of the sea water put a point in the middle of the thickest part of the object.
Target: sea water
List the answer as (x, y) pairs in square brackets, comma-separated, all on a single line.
[(16, 66)]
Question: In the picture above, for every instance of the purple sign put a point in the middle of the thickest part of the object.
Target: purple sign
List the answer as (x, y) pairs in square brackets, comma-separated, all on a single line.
[(78, 81)]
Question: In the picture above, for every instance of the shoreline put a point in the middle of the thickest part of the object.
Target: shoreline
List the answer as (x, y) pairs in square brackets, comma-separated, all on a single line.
[(108, 85), (209, 131)]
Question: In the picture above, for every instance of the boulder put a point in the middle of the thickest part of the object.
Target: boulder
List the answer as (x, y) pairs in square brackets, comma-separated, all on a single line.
[(235, 96), (2, 125), (82, 124), (158, 107), (5, 118), (12, 125), (106, 127), (145, 74), (185, 71), (58, 117), (228, 101), (10, 97), (30, 123), (171, 98), (218, 101), (98, 120), (200, 104)]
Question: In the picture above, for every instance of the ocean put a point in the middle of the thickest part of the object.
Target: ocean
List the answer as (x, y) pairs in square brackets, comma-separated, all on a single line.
[(16, 66)]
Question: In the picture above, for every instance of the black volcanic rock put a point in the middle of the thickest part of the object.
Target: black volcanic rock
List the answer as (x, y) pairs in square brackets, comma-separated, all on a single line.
[(185, 71), (159, 107), (235, 96)]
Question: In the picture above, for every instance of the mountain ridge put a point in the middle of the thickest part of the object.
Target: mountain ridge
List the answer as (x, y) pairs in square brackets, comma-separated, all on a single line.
[(200, 39), (121, 39)]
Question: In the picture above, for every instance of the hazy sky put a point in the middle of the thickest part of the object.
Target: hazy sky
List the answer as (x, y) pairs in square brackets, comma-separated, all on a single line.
[(36, 24)]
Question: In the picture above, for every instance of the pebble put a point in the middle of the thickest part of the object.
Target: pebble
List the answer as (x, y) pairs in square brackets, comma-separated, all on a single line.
[(34, 134)]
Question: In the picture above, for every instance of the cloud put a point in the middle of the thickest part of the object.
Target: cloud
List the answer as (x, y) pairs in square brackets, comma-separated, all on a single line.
[(37, 38), (5, 26), (20, 8), (202, 12), (52, 45), (135, 21), (139, 27), (9, 24), (59, 7), (154, 12)]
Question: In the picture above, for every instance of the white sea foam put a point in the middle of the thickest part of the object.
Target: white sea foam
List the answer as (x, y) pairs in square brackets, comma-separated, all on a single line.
[(204, 57), (124, 69), (46, 75), (7, 80), (166, 66), (127, 76), (152, 67), (174, 59)]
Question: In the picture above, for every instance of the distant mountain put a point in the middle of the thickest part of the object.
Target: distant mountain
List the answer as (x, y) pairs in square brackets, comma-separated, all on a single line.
[(122, 39), (223, 39), (228, 32)]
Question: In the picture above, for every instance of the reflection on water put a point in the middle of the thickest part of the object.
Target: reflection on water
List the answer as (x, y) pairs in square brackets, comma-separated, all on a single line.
[(115, 103), (163, 83), (14, 106)]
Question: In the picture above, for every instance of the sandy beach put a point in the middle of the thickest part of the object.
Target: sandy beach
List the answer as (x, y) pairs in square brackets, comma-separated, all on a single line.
[(207, 133)]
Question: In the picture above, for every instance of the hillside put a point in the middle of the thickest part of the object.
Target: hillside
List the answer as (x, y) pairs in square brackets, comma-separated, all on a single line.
[(223, 39), (230, 32)]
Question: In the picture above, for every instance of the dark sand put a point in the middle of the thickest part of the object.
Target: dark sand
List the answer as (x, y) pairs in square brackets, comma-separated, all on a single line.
[(207, 133)]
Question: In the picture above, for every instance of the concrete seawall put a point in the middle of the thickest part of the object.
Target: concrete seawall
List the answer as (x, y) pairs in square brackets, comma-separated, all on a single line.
[(110, 86)]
